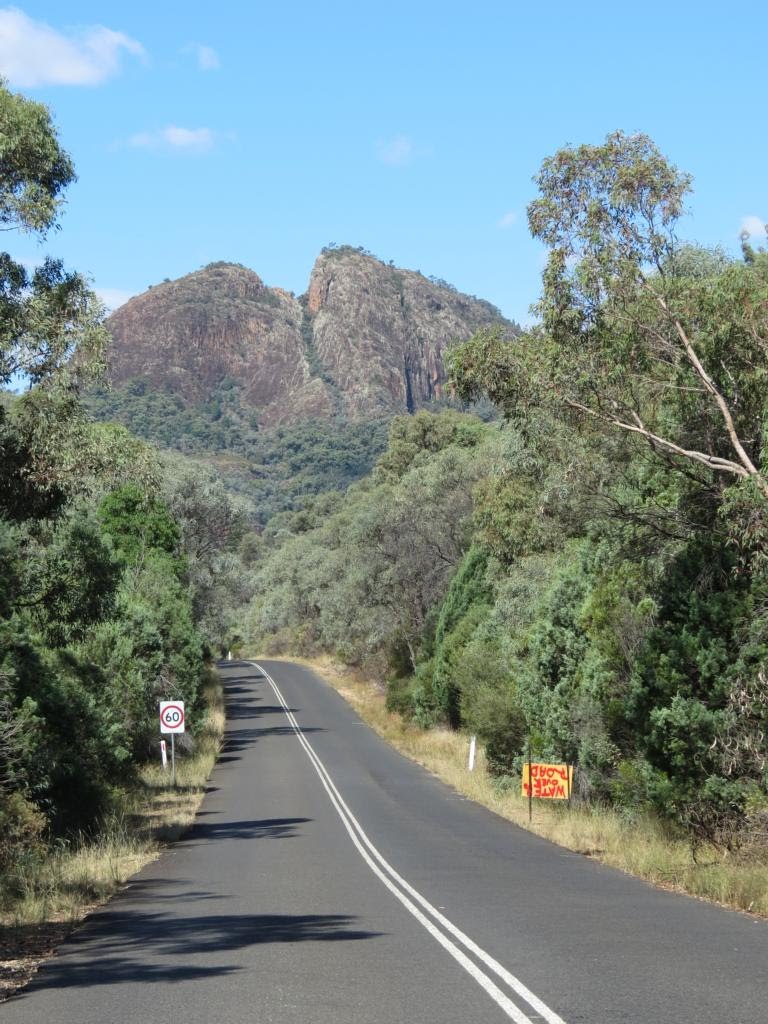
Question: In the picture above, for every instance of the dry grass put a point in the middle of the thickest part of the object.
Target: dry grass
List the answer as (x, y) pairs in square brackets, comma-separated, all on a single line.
[(161, 813), (46, 897), (644, 848)]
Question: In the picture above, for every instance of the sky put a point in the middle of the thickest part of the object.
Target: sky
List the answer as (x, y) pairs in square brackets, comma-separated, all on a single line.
[(258, 133)]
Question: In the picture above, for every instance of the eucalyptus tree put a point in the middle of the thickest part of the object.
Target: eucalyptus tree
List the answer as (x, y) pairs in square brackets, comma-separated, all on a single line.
[(46, 313), (52, 333), (637, 331)]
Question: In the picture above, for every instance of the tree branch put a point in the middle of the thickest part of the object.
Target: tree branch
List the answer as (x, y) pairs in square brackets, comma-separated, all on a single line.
[(749, 468), (712, 461)]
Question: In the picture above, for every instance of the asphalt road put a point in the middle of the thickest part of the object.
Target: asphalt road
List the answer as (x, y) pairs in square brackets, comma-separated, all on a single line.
[(328, 880)]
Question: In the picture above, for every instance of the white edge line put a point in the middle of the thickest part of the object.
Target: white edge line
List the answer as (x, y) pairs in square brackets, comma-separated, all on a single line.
[(347, 816)]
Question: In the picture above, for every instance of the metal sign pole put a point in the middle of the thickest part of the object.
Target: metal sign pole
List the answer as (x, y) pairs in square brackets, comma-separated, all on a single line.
[(173, 759), (530, 784)]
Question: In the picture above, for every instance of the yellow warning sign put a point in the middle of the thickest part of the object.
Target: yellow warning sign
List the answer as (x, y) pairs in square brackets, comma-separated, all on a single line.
[(550, 781)]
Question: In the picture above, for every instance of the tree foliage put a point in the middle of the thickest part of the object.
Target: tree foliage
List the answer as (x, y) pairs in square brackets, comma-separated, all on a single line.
[(97, 602), (663, 653), (47, 313)]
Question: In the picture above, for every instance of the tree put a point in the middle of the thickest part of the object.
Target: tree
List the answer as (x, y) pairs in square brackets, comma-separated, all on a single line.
[(34, 170), (212, 524), (364, 581), (138, 523), (70, 576), (51, 324), (45, 318), (659, 340), (46, 314), (95, 608)]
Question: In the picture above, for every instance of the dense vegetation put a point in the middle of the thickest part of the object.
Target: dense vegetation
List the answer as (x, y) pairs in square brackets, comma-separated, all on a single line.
[(275, 469), (117, 568), (591, 575)]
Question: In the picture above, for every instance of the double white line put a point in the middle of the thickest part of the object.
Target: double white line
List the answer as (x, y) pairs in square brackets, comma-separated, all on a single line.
[(438, 926)]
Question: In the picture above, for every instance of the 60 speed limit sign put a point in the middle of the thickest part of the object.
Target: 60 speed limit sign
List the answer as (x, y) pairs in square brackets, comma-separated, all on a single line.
[(172, 716)]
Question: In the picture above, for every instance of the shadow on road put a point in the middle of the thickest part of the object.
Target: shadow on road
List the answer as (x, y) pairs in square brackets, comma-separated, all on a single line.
[(249, 709), (129, 945), (268, 828), (242, 739), (243, 704), (237, 665)]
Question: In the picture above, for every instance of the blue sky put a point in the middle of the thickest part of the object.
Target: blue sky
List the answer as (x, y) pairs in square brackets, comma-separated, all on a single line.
[(257, 133)]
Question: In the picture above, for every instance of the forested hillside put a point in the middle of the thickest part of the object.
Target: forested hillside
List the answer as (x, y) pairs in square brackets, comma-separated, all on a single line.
[(591, 574), (273, 470)]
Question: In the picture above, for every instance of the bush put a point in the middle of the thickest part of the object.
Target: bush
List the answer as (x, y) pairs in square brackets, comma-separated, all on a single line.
[(22, 828)]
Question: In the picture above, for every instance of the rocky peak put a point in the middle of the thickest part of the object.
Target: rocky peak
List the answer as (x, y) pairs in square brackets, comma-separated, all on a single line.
[(367, 340), (219, 322), (381, 332)]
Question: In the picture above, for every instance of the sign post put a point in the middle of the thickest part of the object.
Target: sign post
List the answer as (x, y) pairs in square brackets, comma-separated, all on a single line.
[(172, 720)]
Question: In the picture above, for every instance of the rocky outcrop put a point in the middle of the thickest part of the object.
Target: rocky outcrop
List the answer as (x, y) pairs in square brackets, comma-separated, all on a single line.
[(219, 322), (382, 332), (367, 340)]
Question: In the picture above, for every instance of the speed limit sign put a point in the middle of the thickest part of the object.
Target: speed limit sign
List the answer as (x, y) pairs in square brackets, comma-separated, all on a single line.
[(172, 716)]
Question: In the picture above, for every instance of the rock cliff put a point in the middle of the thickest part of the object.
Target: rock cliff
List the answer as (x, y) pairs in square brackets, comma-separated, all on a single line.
[(366, 340), (381, 332)]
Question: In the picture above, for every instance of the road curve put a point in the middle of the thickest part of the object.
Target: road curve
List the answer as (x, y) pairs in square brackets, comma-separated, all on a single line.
[(328, 880)]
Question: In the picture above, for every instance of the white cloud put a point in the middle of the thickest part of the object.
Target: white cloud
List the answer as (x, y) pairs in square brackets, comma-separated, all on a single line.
[(113, 297), (207, 58), (187, 139), (396, 152), (508, 220), (32, 53), (753, 226)]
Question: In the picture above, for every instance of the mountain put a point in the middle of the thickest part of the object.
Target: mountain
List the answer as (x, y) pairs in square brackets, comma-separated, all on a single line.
[(365, 342), (285, 397)]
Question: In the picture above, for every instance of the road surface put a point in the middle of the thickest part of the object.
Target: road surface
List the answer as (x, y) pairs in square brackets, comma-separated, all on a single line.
[(328, 880)]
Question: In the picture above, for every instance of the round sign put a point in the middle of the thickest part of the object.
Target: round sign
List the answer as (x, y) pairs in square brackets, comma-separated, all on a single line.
[(172, 717)]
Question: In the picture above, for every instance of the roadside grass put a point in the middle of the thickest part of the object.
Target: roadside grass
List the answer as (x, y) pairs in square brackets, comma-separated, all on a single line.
[(644, 847), (46, 895), (160, 813)]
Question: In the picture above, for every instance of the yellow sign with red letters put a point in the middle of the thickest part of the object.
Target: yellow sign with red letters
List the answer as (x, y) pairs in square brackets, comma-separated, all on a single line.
[(550, 781)]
